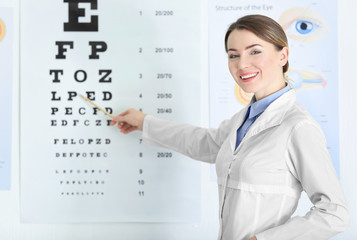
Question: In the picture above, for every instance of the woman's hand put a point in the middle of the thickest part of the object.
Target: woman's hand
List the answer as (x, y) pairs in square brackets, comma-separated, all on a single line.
[(129, 121), (253, 238)]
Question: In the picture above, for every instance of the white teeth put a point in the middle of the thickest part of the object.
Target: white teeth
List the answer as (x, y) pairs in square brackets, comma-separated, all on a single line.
[(248, 76)]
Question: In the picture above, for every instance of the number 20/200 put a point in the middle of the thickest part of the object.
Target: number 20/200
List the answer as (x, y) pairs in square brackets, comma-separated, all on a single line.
[(164, 13)]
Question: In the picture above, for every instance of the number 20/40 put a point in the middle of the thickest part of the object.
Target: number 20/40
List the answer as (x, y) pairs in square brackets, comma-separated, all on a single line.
[(164, 110)]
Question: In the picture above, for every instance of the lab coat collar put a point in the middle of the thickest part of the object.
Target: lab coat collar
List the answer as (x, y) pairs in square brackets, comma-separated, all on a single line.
[(274, 114), (258, 107), (271, 117)]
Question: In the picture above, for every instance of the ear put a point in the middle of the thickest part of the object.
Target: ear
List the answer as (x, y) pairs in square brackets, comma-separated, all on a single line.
[(284, 56)]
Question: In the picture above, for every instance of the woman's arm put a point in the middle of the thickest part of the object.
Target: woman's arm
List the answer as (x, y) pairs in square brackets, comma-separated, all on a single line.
[(196, 142), (128, 121), (311, 164)]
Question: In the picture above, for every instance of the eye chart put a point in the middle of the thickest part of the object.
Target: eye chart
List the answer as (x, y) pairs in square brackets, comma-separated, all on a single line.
[(119, 54)]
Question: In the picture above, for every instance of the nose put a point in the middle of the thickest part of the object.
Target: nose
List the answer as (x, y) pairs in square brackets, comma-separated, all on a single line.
[(243, 63)]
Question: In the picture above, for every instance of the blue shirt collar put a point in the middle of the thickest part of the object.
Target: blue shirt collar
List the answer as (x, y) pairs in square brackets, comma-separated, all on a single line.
[(258, 107)]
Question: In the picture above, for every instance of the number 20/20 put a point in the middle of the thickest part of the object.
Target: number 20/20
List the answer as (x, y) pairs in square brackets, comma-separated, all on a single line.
[(164, 154)]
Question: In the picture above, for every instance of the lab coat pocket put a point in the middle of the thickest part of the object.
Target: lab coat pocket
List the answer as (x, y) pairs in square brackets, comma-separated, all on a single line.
[(265, 171)]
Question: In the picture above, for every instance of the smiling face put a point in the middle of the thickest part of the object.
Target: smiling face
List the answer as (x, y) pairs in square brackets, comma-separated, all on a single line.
[(256, 65)]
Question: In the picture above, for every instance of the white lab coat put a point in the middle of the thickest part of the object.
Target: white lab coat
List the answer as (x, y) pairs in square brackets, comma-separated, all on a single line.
[(283, 153)]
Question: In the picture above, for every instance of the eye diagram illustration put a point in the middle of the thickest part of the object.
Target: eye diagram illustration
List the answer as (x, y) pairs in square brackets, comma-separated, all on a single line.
[(300, 79), (2, 29), (304, 25)]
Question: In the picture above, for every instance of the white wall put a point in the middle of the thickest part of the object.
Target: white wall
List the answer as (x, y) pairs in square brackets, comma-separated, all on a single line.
[(348, 109)]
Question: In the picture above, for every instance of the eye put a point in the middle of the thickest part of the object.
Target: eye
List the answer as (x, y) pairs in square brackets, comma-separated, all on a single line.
[(255, 52), (232, 56), (304, 25)]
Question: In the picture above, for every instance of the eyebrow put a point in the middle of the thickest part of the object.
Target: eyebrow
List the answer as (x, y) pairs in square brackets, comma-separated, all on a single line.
[(250, 46)]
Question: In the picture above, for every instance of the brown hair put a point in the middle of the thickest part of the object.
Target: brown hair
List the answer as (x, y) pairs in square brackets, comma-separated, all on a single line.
[(264, 28)]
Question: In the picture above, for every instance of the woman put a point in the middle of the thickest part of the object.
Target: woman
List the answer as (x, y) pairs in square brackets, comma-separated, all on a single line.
[(267, 153)]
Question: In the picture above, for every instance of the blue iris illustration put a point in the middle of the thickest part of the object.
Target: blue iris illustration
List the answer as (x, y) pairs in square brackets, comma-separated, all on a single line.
[(304, 27)]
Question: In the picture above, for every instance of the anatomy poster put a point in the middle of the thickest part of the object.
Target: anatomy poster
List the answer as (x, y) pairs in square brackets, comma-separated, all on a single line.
[(74, 166), (311, 28), (6, 78)]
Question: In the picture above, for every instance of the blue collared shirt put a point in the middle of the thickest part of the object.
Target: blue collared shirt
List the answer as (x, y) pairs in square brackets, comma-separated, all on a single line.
[(255, 109)]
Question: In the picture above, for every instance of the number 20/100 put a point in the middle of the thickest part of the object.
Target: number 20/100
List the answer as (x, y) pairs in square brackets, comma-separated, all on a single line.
[(164, 50)]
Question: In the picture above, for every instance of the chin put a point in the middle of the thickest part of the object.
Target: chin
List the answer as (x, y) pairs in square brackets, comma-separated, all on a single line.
[(247, 89)]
